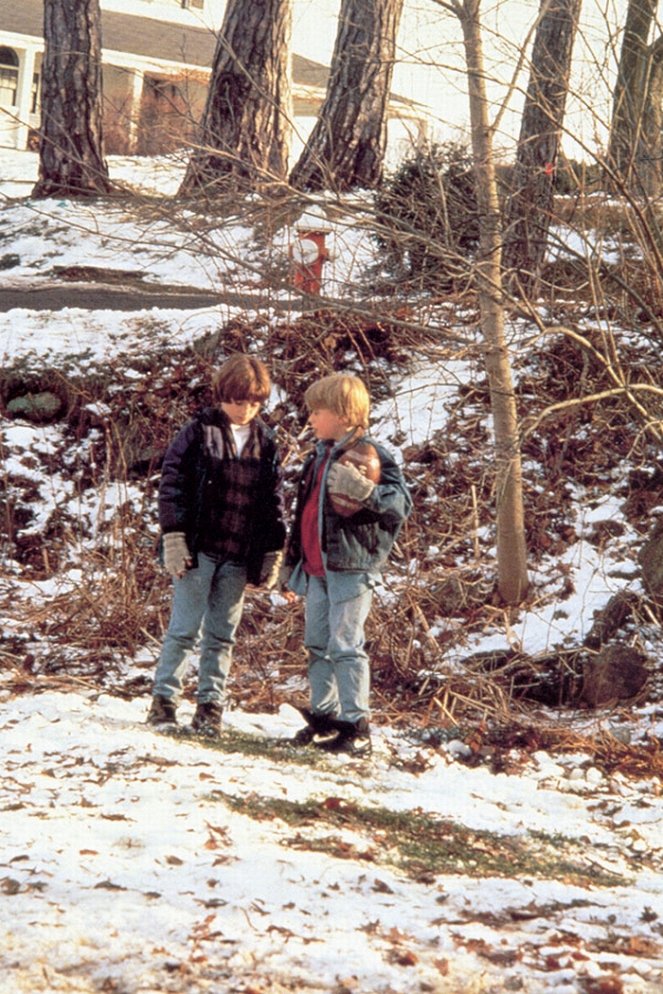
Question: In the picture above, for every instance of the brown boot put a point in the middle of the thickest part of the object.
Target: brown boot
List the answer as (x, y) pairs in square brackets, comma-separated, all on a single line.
[(162, 712), (207, 719), (353, 739), (318, 728)]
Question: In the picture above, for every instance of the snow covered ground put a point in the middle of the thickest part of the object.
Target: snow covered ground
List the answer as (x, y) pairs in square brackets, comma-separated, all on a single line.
[(138, 862), (131, 862), (164, 244)]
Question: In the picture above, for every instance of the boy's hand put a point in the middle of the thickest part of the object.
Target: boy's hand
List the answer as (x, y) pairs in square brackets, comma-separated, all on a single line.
[(269, 571), (176, 555), (285, 572), (345, 480)]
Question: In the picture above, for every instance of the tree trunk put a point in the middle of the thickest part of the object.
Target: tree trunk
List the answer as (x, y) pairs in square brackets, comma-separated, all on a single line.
[(628, 140), (531, 202), (512, 579), (71, 160), (651, 172), (347, 145), (244, 133)]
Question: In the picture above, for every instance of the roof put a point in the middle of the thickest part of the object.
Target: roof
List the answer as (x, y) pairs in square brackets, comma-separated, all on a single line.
[(147, 37), (150, 38)]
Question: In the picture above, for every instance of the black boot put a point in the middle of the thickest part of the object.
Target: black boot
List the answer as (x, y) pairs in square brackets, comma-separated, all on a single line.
[(318, 728), (352, 738), (207, 719), (162, 712)]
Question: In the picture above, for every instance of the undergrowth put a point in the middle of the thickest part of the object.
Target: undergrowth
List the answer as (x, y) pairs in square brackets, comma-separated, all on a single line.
[(439, 591)]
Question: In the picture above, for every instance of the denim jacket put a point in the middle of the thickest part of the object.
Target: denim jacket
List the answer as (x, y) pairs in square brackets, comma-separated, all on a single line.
[(363, 541)]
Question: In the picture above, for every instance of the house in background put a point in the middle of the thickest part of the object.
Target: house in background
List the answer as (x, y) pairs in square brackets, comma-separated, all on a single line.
[(156, 65)]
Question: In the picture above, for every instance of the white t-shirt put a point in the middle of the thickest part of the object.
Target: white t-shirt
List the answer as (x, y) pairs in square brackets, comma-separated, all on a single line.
[(240, 436)]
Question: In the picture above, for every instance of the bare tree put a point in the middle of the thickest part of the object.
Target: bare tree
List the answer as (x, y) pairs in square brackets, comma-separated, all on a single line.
[(346, 147), (244, 133), (651, 169), (71, 157), (531, 201), (628, 138), (512, 578)]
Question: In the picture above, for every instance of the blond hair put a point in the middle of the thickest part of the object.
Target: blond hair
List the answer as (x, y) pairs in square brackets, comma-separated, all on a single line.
[(344, 395), (241, 378)]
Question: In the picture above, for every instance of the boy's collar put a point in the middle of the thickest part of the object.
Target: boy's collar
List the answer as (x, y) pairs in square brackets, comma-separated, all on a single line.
[(350, 437)]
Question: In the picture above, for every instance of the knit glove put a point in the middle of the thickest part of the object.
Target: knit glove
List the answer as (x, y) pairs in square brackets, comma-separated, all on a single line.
[(347, 481), (176, 555), (269, 571)]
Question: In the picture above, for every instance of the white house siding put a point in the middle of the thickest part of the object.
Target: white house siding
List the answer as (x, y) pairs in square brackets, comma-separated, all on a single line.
[(16, 106), (155, 77)]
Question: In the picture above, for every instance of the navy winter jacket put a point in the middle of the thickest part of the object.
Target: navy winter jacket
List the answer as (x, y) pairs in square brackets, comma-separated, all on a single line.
[(188, 472)]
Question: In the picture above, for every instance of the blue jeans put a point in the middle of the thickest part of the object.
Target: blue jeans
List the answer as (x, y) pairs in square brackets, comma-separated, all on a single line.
[(337, 606), (211, 594)]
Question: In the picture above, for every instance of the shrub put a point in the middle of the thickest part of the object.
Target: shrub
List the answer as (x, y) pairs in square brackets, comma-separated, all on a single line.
[(426, 214), (572, 177)]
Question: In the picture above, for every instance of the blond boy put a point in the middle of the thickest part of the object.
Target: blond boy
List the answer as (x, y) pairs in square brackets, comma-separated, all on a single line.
[(335, 561)]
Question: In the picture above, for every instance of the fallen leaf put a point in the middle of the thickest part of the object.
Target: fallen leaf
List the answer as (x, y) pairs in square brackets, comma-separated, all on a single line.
[(403, 957), (281, 931), (335, 804), (640, 945), (602, 985)]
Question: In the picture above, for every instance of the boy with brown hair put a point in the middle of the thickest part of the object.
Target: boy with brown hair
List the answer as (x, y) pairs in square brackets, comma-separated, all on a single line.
[(222, 527), (334, 558)]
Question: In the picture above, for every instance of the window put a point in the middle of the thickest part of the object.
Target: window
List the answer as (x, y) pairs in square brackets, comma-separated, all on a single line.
[(162, 90), (34, 97), (8, 76)]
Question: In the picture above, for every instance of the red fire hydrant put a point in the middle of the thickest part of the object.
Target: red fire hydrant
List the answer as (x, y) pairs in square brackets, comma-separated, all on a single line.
[(308, 252)]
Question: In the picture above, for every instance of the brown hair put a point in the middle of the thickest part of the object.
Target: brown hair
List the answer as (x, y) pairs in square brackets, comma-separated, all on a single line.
[(241, 378), (343, 394)]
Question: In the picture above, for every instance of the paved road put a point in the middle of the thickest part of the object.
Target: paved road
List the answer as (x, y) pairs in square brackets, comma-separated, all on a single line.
[(104, 297)]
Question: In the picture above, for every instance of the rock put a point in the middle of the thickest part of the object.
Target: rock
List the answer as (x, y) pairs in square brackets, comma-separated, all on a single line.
[(40, 408), (459, 592), (651, 563), (610, 619), (616, 674), (622, 733)]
